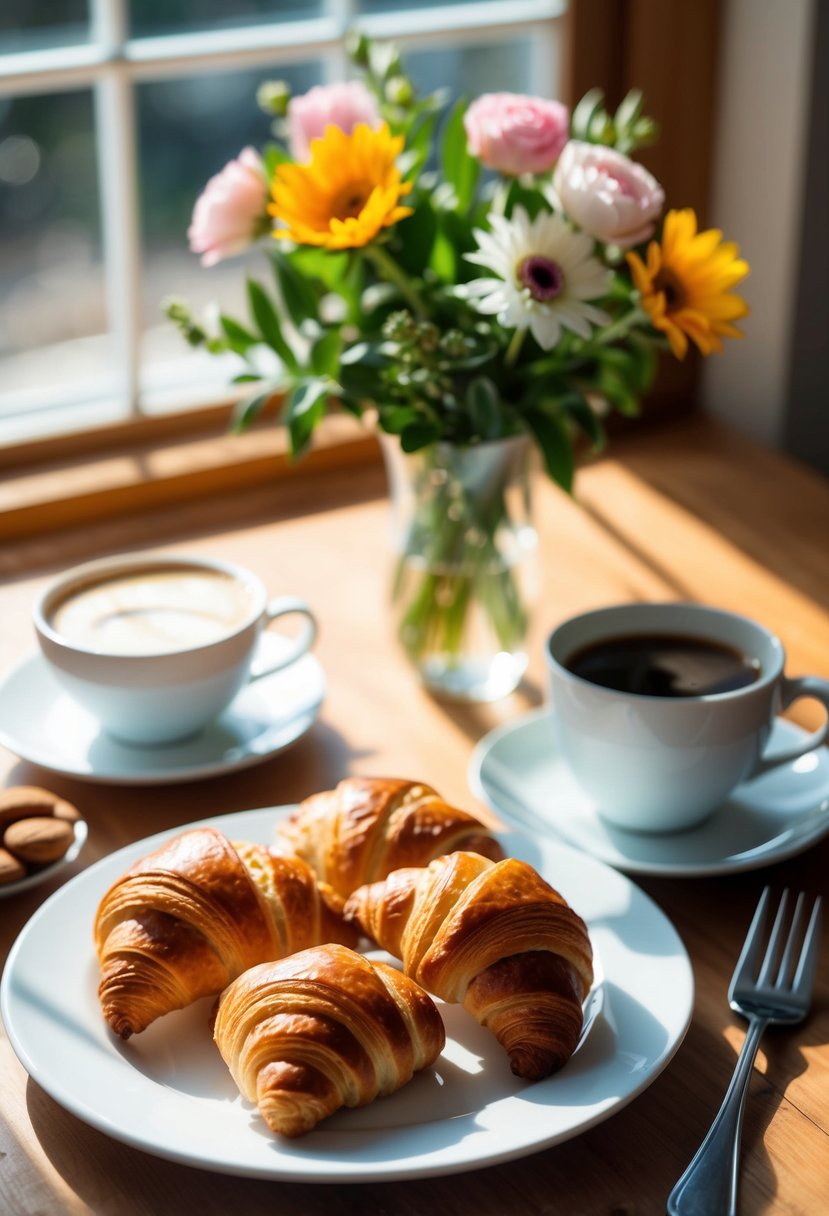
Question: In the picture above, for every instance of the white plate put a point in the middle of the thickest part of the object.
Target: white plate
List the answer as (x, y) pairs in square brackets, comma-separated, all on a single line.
[(42, 724), (45, 872), (518, 771), (167, 1091)]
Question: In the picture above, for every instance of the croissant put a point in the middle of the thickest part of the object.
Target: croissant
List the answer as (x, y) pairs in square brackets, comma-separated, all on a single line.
[(326, 1028), (368, 826), (187, 919), (494, 937)]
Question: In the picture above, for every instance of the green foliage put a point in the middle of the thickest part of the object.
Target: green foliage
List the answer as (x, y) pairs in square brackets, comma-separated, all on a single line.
[(626, 130)]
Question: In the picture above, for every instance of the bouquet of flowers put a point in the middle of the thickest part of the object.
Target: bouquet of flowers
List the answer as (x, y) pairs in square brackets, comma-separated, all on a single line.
[(500, 269)]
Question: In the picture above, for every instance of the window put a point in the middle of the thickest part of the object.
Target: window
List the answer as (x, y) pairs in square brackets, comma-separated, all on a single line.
[(113, 114)]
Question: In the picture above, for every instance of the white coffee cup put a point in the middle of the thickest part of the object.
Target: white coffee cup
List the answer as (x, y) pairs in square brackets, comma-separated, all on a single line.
[(155, 646), (659, 763)]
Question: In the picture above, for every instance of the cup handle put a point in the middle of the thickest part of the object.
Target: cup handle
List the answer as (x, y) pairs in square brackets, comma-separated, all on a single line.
[(283, 607), (791, 690)]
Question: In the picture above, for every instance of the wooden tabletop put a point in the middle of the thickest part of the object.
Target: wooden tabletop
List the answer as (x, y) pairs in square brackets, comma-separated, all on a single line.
[(688, 511)]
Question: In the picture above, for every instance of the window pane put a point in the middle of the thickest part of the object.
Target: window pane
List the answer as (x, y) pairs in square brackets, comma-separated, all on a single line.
[(188, 131), (151, 17), (470, 70), (33, 25), (395, 6), (52, 298)]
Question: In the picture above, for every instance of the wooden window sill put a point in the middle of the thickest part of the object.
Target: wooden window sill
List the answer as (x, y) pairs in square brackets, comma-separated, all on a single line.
[(154, 463)]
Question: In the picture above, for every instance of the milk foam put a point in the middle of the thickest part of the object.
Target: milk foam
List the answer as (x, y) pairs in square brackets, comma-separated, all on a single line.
[(154, 611)]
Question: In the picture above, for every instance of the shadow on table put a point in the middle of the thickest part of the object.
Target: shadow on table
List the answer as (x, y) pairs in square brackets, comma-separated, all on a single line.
[(476, 719)]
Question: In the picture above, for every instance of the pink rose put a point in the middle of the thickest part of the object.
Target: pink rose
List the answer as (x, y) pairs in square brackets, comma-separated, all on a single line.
[(516, 134), (329, 105), (608, 195), (231, 210)]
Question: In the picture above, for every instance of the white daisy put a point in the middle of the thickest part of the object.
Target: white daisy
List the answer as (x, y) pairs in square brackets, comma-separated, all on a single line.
[(547, 273)]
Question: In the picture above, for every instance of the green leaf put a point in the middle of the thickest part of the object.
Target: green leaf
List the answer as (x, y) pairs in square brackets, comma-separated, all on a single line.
[(267, 320), (329, 266), (353, 404), (554, 442), (306, 406), (362, 381), (460, 168), (585, 112), (618, 391), (629, 109), (367, 354), (528, 197), (419, 144), (247, 410), (645, 359), (325, 354), (444, 260), (274, 155), (415, 237), (418, 435), (238, 338), (576, 406), (484, 404), (298, 295), (617, 358), (396, 418)]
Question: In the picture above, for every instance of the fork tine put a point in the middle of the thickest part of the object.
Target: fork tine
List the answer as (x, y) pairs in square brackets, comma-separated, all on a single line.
[(747, 962), (805, 974), (774, 940), (788, 953)]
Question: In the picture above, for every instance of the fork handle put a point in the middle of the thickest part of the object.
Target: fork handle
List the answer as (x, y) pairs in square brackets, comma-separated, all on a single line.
[(709, 1185)]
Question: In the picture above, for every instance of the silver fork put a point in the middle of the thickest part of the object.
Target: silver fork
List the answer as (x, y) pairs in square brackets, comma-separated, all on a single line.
[(709, 1185)]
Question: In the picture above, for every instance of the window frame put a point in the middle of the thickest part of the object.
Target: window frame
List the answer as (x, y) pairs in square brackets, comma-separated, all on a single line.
[(613, 46), (112, 64)]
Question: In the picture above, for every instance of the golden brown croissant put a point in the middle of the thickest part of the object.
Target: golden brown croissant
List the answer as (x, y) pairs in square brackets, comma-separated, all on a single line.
[(187, 919), (495, 937), (323, 1029), (368, 826)]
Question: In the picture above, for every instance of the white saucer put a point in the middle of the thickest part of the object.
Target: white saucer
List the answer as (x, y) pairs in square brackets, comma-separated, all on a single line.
[(42, 724), (517, 771)]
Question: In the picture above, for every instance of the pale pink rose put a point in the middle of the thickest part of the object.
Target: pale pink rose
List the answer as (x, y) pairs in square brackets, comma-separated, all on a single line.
[(329, 105), (608, 195), (231, 210), (516, 134)]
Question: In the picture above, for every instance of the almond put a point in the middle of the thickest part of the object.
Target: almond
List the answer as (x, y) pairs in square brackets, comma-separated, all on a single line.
[(10, 868), (39, 840), (30, 801)]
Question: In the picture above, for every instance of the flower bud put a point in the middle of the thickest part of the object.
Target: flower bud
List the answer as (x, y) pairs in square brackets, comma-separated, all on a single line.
[(645, 130), (357, 47), (399, 326), (273, 96), (428, 336), (453, 343), (399, 91)]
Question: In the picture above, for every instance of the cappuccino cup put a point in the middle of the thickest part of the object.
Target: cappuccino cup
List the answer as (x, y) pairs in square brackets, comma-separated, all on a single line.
[(661, 710), (156, 646)]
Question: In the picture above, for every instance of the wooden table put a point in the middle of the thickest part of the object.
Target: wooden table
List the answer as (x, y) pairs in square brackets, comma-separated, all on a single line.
[(688, 511)]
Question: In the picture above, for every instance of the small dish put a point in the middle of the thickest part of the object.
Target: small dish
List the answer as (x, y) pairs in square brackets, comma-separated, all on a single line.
[(43, 873), (517, 770), (40, 723)]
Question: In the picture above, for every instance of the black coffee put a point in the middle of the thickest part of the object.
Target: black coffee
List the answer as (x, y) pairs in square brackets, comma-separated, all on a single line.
[(664, 665)]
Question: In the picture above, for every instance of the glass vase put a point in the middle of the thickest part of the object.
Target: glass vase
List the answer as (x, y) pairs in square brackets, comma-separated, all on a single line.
[(464, 563)]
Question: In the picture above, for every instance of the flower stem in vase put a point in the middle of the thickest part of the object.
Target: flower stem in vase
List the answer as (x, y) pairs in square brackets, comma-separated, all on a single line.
[(462, 612)]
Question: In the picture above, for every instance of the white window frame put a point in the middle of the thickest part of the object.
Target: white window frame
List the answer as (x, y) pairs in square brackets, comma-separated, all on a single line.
[(111, 64)]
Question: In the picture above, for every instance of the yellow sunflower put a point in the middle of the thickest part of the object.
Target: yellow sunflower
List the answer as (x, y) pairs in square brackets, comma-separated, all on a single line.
[(345, 194), (684, 285)]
